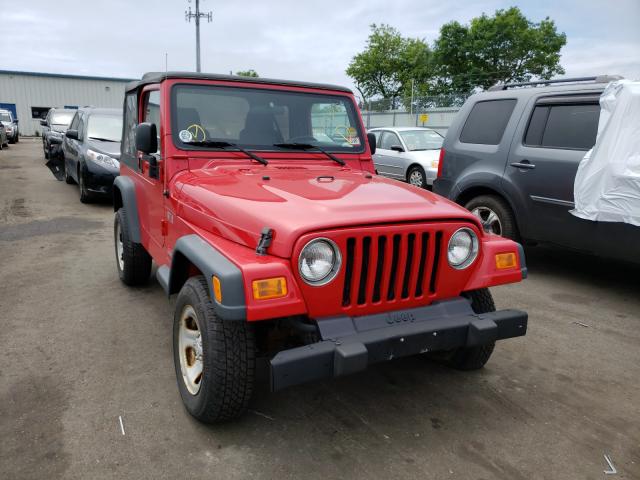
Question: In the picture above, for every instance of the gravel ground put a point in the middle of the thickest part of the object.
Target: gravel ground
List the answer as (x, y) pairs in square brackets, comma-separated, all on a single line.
[(79, 351)]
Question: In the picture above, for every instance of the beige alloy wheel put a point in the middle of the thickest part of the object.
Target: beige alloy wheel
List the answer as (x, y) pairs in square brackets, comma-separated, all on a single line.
[(190, 350)]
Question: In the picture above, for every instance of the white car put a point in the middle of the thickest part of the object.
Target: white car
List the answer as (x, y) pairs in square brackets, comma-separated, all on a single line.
[(409, 154)]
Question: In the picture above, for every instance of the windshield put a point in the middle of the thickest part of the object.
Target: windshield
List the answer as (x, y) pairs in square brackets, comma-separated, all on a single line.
[(258, 119), (105, 127), (5, 117), (62, 118), (422, 140)]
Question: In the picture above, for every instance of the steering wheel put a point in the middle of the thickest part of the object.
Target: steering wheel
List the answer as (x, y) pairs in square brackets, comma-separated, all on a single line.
[(195, 130)]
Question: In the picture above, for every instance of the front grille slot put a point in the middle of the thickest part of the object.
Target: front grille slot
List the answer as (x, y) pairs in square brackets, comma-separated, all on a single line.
[(348, 272), (364, 270), (436, 261), (377, 286), (390, 267), (391, 290), (421, 265)]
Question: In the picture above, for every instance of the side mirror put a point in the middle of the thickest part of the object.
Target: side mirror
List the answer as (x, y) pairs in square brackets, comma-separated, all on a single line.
[(397, 148), (146, 138), (42, 122), (16, 121), (371, 138), (72, 134)]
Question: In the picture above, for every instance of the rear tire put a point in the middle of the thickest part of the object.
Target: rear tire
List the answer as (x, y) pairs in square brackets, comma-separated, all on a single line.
[(132, 260), (495, 214), (417, 177), (214, 359), (474, 358)]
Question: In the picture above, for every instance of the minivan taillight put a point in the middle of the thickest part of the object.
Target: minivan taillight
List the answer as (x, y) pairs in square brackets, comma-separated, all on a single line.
[(440, 162)]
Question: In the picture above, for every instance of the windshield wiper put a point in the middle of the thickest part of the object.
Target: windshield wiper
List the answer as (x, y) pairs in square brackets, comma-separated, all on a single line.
[(225, 146), (103, 139), (308, 146)]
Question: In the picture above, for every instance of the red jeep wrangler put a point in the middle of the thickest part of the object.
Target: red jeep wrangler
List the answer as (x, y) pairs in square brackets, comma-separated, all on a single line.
[(258, 202)]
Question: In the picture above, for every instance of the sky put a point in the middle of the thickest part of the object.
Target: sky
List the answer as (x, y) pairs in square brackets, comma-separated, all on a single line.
[(291, 39)]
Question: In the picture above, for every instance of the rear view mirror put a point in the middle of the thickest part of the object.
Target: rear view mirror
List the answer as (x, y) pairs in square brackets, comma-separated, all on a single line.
[(397, 148), (73, 134), (147, 138), (42, 122), (371, 138)]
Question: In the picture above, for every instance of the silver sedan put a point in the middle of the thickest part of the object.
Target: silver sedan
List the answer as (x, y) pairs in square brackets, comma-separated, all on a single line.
[(409, 154)]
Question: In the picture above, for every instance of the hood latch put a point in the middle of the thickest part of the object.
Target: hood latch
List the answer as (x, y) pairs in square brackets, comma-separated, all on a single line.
[(265, 241)]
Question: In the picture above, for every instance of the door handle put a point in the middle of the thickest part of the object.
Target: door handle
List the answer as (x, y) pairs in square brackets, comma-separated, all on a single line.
[(523, 164)]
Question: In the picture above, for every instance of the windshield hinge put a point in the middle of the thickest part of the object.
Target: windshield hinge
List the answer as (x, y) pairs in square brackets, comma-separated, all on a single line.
[(265, 241)]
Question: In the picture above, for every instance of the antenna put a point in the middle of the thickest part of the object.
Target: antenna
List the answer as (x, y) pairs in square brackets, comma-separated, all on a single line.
[(197, 15)]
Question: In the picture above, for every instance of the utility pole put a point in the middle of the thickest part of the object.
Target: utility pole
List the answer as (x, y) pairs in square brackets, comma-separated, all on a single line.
[(188, 15)]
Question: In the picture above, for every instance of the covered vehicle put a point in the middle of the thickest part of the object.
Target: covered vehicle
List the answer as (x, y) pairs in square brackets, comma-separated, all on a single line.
[(607, 185)]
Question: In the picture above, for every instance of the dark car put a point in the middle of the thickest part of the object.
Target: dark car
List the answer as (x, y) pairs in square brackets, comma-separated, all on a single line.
[(511, 157), (10, 124), (54, 126), (91, 150)]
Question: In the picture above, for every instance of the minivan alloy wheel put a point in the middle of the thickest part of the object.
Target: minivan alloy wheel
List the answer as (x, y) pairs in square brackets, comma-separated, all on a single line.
[(490, 220)]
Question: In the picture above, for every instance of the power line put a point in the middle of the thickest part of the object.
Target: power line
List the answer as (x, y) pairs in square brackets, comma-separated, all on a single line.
[(188, 15)]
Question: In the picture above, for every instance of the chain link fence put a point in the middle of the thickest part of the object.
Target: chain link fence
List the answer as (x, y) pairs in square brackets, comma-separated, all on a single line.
[(436, 112)]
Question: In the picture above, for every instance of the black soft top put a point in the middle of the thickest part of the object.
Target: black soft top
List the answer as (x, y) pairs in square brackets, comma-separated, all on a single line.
[(156, 77)]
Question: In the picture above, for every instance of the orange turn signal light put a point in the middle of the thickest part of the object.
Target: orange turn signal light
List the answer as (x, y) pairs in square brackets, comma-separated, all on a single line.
[(269, 288), (217, 289), (506, 260)]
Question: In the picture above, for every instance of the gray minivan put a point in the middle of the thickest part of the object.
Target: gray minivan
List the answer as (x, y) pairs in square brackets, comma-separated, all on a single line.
[(511, 157)]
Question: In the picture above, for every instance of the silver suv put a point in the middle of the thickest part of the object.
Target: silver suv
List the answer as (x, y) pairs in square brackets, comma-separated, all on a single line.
[(511, 157), (10, 125)]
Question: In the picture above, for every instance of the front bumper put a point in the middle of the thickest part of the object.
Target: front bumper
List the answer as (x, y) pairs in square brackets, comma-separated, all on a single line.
[(100, 183), (350, 344)]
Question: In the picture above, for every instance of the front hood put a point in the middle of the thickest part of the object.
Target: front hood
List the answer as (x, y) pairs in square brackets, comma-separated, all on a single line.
[(110, 148), (59, 128), (237, 202)]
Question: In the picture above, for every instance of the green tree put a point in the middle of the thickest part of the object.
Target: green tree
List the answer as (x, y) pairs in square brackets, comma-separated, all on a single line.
[(248, 73), (504, 48), (388, 63)]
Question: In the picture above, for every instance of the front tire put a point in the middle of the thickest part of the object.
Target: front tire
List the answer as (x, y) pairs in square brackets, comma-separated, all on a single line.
[(417, 177), (132, 260), (67, 178), (85, 196), (214, 359), (474, 358), (46, 150)]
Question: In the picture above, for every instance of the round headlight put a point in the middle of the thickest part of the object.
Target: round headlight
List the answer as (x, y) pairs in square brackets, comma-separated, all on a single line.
[(463, 248), (319, 261)]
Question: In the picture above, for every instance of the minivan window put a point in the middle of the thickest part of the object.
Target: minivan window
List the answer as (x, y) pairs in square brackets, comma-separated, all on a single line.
[(487, 121), (563, 126)]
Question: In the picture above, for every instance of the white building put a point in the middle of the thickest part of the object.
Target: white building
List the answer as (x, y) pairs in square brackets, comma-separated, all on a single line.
[(30, 95)]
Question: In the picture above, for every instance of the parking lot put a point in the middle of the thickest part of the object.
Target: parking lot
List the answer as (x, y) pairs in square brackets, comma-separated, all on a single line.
[(79, 351)]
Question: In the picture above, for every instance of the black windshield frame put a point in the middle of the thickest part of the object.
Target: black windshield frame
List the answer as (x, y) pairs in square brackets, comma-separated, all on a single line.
[(329, 97)]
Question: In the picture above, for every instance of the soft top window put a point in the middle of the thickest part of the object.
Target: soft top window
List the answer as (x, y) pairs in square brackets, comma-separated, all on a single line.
[(260, 118)]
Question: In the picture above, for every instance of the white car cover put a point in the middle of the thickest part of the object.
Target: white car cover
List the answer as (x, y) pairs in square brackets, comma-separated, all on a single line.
[(607, 185)]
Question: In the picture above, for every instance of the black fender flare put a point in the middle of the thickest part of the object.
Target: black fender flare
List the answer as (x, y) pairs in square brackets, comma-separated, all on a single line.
[(124, 195), (191, 249)]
